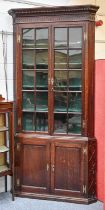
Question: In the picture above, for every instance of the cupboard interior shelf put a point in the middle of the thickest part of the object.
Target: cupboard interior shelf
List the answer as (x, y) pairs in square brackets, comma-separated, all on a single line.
[(4, 168), (3, 129), (3, 148)]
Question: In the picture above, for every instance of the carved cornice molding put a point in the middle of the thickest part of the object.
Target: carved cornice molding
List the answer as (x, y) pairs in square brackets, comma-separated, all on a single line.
[(62, 18), (87, 12)]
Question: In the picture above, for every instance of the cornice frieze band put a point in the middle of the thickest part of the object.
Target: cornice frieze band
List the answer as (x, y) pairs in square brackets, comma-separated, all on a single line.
[(47, 14)]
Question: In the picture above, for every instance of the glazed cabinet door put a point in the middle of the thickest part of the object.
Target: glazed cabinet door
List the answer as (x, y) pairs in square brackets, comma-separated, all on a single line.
[(67, 169), (49, 95), (68, 70), (33, 89), (33, 168)]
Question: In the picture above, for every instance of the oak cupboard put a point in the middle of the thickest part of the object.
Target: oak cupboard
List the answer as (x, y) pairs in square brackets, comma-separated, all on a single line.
[(54, 94)]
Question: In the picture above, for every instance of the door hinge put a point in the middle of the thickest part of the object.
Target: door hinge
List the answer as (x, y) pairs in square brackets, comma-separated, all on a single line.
[(19, 121), (18, 147), (47, 167), (85, 151), (52, 168), (18, 182), (52, 81), (85, 36), (18, 38), (84, 189), (83, 124), (49, 81)]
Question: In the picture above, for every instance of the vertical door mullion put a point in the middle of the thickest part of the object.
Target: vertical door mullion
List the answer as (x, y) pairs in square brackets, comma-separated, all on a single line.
[(84, 86), (50, 78), (67, 75), (48, 167), (52, 167), (35, 78), (18, 75)]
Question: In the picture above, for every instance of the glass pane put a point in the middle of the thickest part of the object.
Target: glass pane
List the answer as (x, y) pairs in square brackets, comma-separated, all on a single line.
[(75, 37), (28, 101), (41, 59), (75, 59), (28, 80), (28, 59), (74, 102), (42, 38), (28, 38), (74, 123), (75, 81), (60, 80), (42, 80), (60, 59), (60, 102), (42, 101), (60, 123), (41, 122), (60, 37), (28, 121)]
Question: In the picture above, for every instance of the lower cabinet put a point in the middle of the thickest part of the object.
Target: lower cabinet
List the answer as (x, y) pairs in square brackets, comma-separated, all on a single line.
[(52, 169)]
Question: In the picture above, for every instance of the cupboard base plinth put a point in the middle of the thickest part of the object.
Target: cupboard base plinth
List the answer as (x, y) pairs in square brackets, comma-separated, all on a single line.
[(53, 197)]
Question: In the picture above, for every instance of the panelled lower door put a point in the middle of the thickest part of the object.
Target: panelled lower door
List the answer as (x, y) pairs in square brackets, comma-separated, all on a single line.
[(34, 166), (67, 169)]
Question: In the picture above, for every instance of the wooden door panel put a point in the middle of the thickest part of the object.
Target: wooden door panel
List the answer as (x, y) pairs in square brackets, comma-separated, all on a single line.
[(68, 172), (67, 167), (35, 166)]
